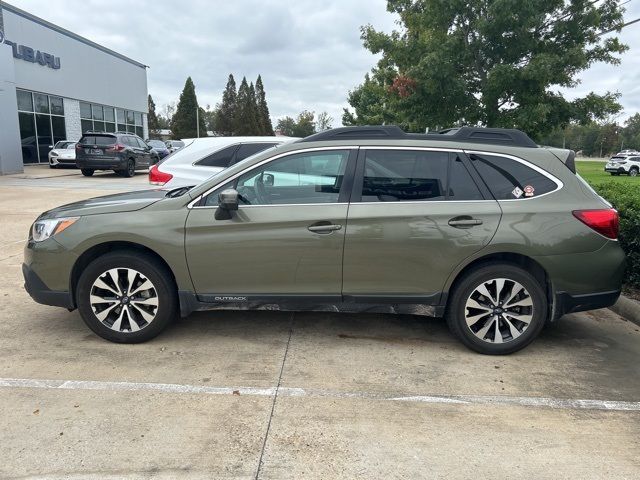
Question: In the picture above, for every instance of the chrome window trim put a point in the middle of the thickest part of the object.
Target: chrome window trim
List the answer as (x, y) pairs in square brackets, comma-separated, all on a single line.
[(191, 205), (400, 147)]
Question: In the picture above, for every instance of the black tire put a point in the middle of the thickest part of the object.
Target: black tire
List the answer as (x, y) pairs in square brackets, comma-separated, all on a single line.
[(464, 289), (130, 171), (633, 172), (51, 165), (161, 280), (87, 172)]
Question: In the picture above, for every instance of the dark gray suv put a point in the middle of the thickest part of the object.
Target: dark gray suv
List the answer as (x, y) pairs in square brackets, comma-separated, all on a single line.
[(124, 153)]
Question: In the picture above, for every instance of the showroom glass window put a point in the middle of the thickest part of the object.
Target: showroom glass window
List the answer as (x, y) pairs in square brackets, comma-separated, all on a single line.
[(416, 176), (101, 118), (41, 120)]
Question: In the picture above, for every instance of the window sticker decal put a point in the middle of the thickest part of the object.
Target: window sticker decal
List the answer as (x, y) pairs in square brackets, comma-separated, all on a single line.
[(517, 192), (528, 191)]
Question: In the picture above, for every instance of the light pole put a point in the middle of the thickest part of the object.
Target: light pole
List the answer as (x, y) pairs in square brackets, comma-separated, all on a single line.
[(197, 121)]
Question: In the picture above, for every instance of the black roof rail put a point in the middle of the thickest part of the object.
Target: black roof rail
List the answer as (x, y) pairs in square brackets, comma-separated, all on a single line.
[(493, 136)]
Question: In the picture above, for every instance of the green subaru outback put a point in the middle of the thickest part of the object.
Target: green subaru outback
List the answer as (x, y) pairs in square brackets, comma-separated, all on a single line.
[(480, 226)]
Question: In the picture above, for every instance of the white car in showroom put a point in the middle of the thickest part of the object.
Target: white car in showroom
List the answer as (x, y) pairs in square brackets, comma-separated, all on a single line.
[(62, 153), (625, 165), (201, 158)]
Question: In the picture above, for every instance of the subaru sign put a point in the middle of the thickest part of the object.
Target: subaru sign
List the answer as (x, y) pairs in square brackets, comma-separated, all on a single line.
[(28, 54)]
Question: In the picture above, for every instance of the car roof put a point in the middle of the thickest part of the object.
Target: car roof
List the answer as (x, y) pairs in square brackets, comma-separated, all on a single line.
[(197, 148)]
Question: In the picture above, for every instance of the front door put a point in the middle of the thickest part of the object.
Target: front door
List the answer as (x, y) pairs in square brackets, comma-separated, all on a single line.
[(286, 239), (415, 215)]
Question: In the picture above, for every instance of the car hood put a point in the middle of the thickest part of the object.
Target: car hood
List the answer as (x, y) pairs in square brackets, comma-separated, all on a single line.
[(121, 202)]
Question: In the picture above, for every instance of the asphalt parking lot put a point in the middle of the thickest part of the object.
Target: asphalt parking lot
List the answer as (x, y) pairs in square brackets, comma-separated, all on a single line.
[(307, 395)]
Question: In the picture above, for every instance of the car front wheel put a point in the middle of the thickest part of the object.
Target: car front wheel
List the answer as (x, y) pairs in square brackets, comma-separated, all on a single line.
[(633, 172), (126, 297), (87, 172), (497, 309)]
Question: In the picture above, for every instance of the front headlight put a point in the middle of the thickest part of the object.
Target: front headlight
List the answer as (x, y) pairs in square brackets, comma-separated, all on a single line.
[(43, 229), (53, 154)]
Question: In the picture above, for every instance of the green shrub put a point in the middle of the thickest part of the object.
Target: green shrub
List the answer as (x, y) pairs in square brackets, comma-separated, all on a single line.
[(626, 199)]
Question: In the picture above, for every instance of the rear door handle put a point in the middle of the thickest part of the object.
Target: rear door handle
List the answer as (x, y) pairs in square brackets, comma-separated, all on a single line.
[(464, 222), (324, 228)]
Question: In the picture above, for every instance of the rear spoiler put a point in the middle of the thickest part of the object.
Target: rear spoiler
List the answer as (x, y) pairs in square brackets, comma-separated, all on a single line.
[(568, 157)]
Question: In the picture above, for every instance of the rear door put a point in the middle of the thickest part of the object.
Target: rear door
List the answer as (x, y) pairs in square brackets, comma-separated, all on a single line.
[(144, 152), (415, 215)]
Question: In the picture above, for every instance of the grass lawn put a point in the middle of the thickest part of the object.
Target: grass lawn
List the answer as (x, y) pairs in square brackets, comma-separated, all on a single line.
[(593, 172)]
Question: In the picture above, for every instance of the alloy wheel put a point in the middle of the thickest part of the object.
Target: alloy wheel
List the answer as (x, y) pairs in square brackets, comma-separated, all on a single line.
[(499, 310), (124, 300)]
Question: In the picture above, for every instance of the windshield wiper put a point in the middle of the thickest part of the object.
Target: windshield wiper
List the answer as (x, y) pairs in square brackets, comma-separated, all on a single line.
[(176, 192)]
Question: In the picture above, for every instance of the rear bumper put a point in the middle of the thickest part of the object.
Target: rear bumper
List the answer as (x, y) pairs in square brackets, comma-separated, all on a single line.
[(568, 303), (36, 288), (106, 163), (615, 169)]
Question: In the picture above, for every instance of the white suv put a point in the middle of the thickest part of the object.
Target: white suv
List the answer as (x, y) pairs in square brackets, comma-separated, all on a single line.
[(201, 158), (623, 165)]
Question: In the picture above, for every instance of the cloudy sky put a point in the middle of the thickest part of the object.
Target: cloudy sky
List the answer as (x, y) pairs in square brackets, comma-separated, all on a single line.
[(308, 52)]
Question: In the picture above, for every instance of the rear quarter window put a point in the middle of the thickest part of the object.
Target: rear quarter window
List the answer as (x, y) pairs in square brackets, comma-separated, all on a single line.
[(509, 179)]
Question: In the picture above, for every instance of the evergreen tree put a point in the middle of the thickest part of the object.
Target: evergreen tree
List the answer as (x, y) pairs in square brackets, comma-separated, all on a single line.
[(183, 124), (245, 119), (227, 112), (264, 119), (153, 121)]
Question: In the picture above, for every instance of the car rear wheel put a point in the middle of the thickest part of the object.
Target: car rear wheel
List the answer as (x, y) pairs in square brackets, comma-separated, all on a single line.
[(126, 297), (497, 309), (130, 171), (87, 172), (633, 172)]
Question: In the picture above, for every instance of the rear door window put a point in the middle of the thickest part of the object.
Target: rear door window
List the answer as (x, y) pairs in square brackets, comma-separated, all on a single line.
[(221, 158), (416, 176), (509, 179), (247, 149)]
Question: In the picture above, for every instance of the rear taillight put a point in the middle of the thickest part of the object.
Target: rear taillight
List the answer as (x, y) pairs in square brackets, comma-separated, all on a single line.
[(605, 222), (118, 147), (157, 177), (78, 148)]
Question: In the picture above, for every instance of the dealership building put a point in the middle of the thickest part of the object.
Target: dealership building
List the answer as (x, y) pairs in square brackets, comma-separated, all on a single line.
[(55, 84)]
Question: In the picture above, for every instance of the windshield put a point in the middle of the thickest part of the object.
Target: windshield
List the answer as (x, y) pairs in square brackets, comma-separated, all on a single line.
[(63, 145), (156, 144)]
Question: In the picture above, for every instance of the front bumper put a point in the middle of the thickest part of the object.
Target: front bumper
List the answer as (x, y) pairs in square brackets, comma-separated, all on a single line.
[(36, 288), (614, 169)]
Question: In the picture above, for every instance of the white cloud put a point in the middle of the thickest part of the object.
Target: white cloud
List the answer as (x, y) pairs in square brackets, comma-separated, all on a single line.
[(308, 52)]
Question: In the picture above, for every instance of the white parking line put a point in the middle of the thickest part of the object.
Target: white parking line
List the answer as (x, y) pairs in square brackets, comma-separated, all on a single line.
[(538, 402)]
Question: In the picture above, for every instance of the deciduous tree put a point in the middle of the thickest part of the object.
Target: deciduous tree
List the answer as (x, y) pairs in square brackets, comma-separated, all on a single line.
[(498, 63)]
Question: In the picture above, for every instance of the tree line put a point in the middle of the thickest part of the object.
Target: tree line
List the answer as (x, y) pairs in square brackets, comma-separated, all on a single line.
[(243, 111), (596, 140)]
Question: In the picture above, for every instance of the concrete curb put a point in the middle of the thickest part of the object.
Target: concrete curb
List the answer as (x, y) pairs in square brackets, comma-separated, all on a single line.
[(628, 309)]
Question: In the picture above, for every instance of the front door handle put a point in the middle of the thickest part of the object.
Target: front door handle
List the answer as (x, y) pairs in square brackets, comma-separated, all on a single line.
[(323, 228), (464, 221)]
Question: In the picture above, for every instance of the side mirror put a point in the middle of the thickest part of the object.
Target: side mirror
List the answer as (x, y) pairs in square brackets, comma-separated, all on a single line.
[(268, 180), (227, 203), (50, 147)]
